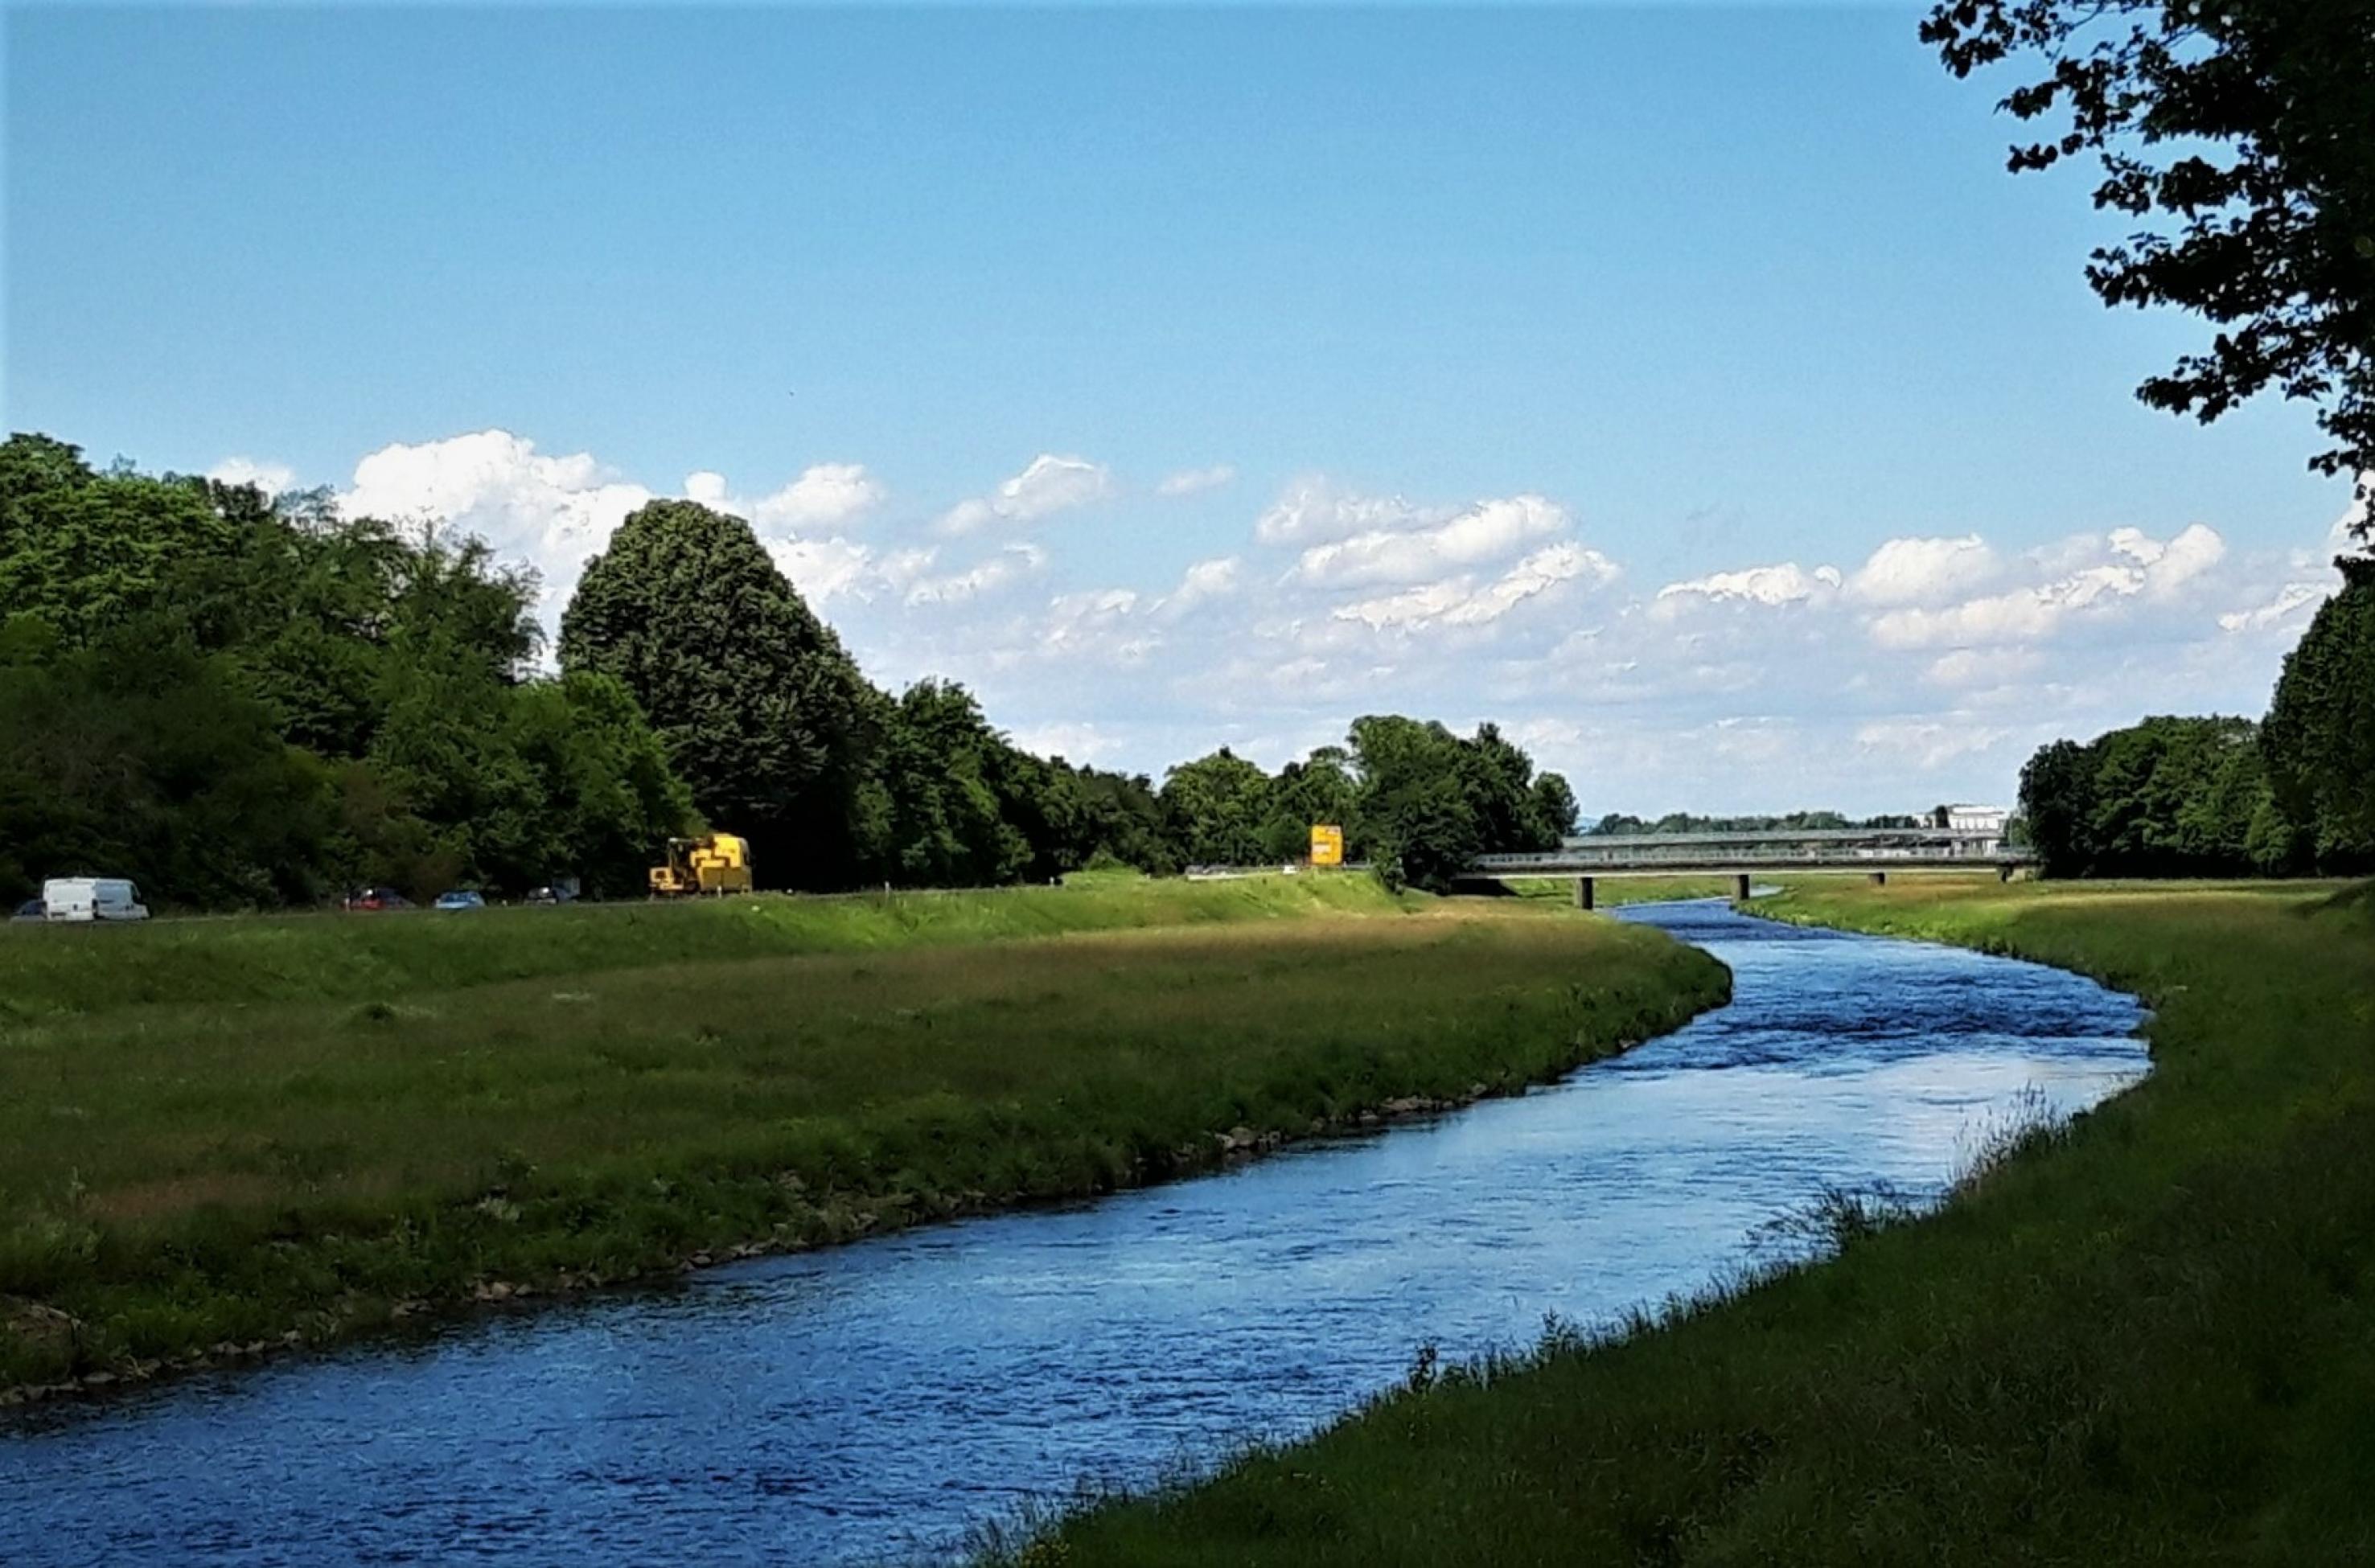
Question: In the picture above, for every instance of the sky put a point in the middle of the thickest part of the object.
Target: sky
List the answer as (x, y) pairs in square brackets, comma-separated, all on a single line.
[(1688, 390)]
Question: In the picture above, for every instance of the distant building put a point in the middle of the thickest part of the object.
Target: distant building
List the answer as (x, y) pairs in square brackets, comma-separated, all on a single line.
[(1968, 819)]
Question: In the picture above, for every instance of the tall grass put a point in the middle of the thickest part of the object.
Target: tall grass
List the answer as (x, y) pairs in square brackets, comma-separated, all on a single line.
[(219, 1171), (2147, 1335)]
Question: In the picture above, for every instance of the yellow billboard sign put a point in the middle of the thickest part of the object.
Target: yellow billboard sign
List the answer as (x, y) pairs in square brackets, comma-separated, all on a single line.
[(1327, 845)]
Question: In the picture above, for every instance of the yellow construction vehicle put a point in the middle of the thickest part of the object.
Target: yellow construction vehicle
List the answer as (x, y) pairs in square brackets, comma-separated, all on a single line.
[(715, 863)]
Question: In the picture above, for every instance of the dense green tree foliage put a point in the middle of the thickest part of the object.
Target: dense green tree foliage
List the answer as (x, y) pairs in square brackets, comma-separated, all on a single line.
[(2239, 139), (235, 699), (1430, 801), (1216, 807), (762, 712), (2320, 736), (2167, 797)]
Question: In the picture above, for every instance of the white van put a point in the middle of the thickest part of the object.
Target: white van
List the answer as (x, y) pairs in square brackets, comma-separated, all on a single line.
[(91, 898)]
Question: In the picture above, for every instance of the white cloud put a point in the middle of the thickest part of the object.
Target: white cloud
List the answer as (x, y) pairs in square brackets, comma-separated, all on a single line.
[(1203, 582), (1918, 571), (1457, 601), (2289, 601), (1311, 509), (824, 569), (1982, 667), (1786, 583), (550, 511), (825, 496), (1050, 484), (1188, 481), (1076, 743), (1009, 565), (270, 478), (1484, 532), (1927, 745), (2128, 565), (1095, 624)]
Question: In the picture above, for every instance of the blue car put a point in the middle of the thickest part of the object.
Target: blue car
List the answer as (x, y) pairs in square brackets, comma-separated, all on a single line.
[(32, 909), (460, 898)]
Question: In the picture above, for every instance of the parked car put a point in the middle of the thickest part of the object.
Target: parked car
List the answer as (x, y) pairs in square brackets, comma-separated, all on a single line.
[(461, 898), (376, 898), (91, 898), (553, 895), (32, 909)]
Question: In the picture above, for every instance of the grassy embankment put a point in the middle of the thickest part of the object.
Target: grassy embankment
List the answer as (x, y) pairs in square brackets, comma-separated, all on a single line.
[(2150, 1338), (221, 1133)]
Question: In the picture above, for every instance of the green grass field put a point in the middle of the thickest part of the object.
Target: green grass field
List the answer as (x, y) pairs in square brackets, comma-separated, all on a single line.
[(2150, 1338), (237, 1130)]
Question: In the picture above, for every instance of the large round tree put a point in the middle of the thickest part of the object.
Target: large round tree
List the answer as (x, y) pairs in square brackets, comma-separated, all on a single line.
[(2320, 735), (762, 712)]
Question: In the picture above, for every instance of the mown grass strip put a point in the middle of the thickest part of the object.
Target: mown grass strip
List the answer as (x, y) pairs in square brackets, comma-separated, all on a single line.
[(177, 1178), (2149, 1338)]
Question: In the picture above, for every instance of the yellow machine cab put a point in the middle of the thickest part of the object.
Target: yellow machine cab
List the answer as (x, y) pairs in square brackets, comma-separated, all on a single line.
[(714, 863)]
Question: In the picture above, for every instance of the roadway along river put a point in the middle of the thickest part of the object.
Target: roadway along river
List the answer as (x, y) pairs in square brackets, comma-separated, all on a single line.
[(876, 1400)]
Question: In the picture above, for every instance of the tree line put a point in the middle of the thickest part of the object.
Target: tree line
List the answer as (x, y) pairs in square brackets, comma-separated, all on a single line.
[(2225, 796), (241, 699), (1787, 821)]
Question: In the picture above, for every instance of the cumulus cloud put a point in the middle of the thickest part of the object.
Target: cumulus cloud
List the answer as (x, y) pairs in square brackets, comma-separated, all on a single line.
[(1982, 667), (1097, 623), (1486, 531), (1187, 481), (2128, 565), (1786, 583), (1458, 601), (1013, 562), (1920, 571), (826, 495), (1927, 745), (1203, 582), (1312, 509), (269, 478), (549, 511), (1050, 485), (824, 569)]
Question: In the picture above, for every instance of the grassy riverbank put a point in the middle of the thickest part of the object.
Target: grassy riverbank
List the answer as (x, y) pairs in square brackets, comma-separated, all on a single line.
[(2149, 1338), (228, 1132)]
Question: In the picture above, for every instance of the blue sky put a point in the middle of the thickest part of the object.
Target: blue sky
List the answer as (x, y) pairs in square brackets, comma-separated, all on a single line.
[(1180, 377)]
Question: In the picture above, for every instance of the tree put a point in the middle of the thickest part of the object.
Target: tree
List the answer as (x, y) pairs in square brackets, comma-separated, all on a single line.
[(2246, 129), (1214, 808), (1416, 802), (1319, 790), (762, 714), (2057, 801), (939, 768), (139, 756), (1554, 810), (2167, 797), (2319, 736)]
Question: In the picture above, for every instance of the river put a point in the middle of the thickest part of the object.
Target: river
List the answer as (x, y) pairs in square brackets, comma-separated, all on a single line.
[(874, 1402)]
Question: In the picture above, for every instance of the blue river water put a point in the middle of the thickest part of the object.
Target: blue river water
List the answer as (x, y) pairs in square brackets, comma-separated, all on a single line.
[(875, 1402)]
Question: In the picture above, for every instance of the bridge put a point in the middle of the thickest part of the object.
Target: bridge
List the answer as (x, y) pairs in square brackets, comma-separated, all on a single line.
[(1877, 852)]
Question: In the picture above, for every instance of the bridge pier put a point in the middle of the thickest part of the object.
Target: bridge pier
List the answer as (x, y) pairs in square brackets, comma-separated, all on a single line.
[(1879, 879), (1584, 892), (1741, 883)]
